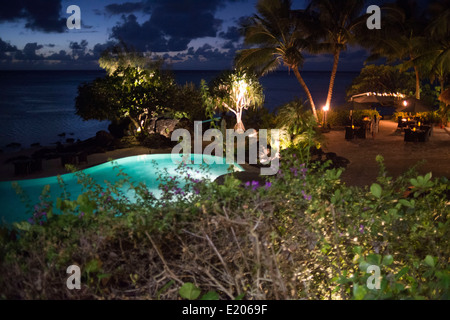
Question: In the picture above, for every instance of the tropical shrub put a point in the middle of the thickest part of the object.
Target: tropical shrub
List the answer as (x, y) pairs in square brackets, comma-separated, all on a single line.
[(301, 234)]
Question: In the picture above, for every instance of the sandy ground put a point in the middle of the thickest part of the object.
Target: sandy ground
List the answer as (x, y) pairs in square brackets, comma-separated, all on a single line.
[(362, 170), (398, 155)]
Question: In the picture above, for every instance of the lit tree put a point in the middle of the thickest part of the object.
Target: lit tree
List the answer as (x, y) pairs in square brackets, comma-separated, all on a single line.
[(237, 91), (136, 94), (123, 56)]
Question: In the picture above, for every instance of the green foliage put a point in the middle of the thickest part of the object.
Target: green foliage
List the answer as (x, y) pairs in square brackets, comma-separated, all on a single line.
[(234, 91), (133, 93), (122, 56), (302, 234), (295, 118), (190, 292), (382, 78), (429, 117)]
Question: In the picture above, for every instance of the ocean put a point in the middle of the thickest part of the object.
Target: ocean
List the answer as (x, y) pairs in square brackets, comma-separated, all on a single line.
[(39, 106)]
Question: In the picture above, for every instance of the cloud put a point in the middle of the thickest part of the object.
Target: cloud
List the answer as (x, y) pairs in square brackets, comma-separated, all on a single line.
[(5, 50), (233, 34), (145, 37), (40, 15), (125, 8), (205, 57), (172, 24), (29, 52)]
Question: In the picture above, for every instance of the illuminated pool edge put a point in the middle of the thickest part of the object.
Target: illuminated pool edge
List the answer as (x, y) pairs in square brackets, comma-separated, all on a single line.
[(13, 210)]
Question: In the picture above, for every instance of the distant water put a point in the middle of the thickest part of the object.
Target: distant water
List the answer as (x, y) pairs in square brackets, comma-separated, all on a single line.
[(37, 106)]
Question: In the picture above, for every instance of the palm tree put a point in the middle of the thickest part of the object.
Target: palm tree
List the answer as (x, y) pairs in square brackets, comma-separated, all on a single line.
[(437, 55), (278, 39), (401, 38), (294, 118), (335, 22)]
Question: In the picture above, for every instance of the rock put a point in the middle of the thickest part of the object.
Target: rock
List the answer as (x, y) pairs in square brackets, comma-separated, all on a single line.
[(184, 124), (104, 139), (157, 141), (165, 127)]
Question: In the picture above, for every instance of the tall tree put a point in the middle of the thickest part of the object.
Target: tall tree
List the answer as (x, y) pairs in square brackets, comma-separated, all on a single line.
[(335, 22), (277, 39), (401, 38), (436, 56)]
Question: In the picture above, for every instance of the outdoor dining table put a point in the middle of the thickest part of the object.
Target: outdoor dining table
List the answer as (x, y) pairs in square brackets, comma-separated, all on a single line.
[(421, 134), (360, 132)]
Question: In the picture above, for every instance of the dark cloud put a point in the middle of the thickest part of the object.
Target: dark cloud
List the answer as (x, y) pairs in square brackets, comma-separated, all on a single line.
[(79, 46), (173, 24), (125, 8), (61, 56), (145, 37), (5, 50), (204, 57), (233, 34), (99, 48), (29, 52), (40, 15)]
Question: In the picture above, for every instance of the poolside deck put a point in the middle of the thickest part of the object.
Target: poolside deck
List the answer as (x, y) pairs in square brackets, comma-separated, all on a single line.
[(398, 155)]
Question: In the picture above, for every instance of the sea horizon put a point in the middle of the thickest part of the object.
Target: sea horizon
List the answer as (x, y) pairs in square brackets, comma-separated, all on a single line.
[(38, 107)]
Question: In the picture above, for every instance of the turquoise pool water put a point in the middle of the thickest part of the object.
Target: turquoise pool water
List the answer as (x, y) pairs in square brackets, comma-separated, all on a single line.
[(144, 168)]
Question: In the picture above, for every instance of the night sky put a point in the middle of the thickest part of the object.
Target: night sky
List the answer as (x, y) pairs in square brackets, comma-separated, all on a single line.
[(188, 34)]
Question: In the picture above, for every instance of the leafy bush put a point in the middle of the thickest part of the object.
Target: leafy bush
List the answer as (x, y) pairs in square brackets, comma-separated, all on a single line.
[(301, 234), (429, 117)]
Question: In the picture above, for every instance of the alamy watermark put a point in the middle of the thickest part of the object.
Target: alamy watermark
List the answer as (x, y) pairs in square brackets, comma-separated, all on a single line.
[(74, 281), (374, 21), (374, 281), (258, 147), (74, 21)]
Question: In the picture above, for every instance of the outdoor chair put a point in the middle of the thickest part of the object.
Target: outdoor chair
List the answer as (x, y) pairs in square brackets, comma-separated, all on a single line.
[(349, 134)]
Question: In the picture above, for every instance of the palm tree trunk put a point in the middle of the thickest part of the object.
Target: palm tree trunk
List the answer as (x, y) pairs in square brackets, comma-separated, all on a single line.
[(333, 77), (416, 70), (308, 93)]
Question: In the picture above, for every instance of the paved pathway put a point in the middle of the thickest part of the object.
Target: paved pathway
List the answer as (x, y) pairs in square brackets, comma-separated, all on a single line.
[(398, 155)]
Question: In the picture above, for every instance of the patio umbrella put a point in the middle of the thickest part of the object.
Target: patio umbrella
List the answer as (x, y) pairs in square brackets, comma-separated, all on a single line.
[(413, 105), (373, 99), (351, 105), (445, 96)]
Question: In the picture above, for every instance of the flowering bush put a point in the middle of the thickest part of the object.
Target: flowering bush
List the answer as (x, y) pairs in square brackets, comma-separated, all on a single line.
[(301, 234)]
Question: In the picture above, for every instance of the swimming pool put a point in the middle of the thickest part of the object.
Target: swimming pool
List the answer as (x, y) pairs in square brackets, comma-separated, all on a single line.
[(144, 168)]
